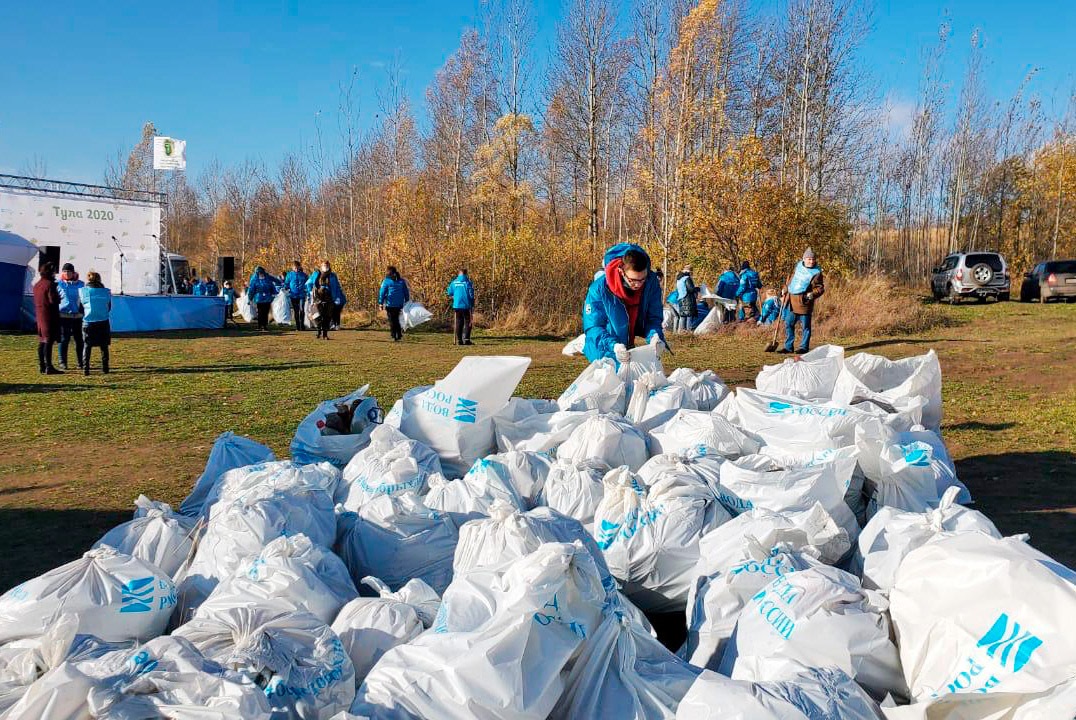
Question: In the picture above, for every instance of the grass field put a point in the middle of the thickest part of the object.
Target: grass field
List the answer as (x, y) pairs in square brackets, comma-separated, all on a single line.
[(78, 450)]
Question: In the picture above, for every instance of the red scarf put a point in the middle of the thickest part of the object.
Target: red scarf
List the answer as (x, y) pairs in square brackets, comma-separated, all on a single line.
[(69, 276), (631, 298)]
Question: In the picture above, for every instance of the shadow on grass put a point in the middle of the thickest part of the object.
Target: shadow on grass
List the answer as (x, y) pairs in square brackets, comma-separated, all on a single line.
[(35, 540), (1028, 492), (21, 388), (224, 368), (976, 425), (28, 488)]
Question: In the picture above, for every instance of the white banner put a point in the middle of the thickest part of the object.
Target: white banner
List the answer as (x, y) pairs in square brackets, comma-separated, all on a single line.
[(169, 153)]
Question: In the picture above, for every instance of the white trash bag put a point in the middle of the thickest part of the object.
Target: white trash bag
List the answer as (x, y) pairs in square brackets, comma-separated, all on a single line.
[(391, 464), (414, 314), (282, 309), (318, 481), (599, 387), (320, 437), (523, 425), (229, 451), (455, 416), (650, 534), (654, 401), (245, 308), (157, 535), (575, 346), (515, 477), (696, 430), (499, 646), (608, 438), (397, 538), (297, 659), (816, 617), (985, 622), (706, 387), (113, 596), (371, 626), (575, 489), (292, 570), (810, 376), (711, 323), (893, 382), (892, 533)]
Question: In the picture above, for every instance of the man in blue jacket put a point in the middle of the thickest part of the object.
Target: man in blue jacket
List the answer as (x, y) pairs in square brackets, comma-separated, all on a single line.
[(339, 299), (70, 314), (747, 293), (295, 284), (462, 293), (727, 285), (623, 303), (261, 290), (391, 298), (197, 288)]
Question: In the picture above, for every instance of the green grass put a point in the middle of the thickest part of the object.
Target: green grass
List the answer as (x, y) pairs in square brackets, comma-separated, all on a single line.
[(79, 450)]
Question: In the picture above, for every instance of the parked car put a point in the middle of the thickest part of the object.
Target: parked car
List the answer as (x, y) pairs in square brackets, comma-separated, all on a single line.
[(1053, 280), (971, 274)]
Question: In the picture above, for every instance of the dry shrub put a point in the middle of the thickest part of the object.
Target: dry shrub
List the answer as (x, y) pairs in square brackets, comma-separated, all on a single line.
[(874, 305), (524, 317)]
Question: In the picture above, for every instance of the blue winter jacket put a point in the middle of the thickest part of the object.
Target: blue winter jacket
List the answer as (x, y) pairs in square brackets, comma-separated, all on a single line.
[(334, 287), (262, 289), (393, 293), (462, 293), (97, 303), (229, 296), (198, 288), (769, 312), (749, 285), (69, 296), (605, 319), (727, 285), (210, 288), (295, 284)]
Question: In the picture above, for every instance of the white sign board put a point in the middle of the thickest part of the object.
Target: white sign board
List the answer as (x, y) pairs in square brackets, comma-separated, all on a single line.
[(82, 229), (169, 153)]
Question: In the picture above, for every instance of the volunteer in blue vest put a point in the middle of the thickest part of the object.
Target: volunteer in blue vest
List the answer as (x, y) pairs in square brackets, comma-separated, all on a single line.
[(261, 290), (461, 290), (391, 298), (295, 284), (339, 299), (70, 314), (747, 293), (804, 287), (197, 288), (687, 294), (96, 331), (727, 286), (622, 303), (210, 287)]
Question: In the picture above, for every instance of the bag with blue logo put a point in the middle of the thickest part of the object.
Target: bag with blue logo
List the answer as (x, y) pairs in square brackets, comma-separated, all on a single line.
[(391, 464), (371, 626), (313, 443), (654, 401), (814, 618), (608, 438), (810, 376), (892, 533), (650, 534), (515, 477), (113, 596), (810, 694), (706, 387), (289, 569), (229, 451), (794, 456), (455, 416), (397, 538), (599, 387), (500, 645), (157, 535), (985, 623), (575, 489), (703, 432), (296, 658)]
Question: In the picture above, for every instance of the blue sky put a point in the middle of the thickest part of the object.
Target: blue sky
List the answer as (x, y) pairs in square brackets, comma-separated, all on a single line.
[(240, 80)]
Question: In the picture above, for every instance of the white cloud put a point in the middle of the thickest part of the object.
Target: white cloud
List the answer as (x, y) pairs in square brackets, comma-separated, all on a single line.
[(898, 114)]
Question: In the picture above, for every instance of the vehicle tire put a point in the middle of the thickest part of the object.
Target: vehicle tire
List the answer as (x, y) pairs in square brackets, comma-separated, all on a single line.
[(1025, 296), (953, 296), (937, 295), (982, 274), (1003, 297)]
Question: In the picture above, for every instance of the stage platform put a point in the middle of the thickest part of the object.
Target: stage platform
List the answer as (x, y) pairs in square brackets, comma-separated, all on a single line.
[(151, 313)]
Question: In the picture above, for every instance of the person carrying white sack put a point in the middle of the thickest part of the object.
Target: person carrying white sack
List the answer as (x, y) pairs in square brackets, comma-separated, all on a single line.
[(622, 303)]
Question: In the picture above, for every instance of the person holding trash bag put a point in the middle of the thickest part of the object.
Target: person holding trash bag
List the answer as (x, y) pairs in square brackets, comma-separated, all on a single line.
[(687, 294), (70, 314), (295, 284), (622, 303), (260, 290), (96, 331), (323, 303), (391, 298), (461, 290), (47, 312), (804, 287), (339, 299), (747, 293)]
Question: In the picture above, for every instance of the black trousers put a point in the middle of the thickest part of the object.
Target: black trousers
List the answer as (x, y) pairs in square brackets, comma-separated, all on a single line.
[(325, 320), (394, 323), (44, 355), (263, 315), (70, 329), (298, 314), (462, 326), (337, 309)]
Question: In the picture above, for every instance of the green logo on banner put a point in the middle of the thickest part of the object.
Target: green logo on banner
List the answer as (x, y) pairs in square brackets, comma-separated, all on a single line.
[(168, 146)]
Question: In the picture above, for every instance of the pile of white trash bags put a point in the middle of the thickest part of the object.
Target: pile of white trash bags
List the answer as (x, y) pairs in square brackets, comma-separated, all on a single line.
[(648, 545)]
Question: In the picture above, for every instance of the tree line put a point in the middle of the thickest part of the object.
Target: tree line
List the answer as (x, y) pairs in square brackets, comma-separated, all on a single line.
[(708, 133)]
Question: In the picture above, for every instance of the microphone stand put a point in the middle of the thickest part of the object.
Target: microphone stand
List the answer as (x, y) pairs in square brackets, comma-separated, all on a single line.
[(121, 262)]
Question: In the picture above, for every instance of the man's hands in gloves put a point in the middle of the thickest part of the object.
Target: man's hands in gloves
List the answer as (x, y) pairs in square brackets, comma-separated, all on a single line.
[(621, 353), (658, 344)]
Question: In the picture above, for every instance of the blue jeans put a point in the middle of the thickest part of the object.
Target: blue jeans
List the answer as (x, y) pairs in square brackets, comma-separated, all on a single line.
[(791, 319)]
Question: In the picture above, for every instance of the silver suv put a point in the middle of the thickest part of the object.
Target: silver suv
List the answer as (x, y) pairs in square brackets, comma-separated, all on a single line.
[(971, 274)]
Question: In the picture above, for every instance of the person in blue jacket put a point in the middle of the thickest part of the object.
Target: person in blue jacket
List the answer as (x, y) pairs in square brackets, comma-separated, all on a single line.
[(70, 314), (339, 299), (727, 286), (771, 309), (391, 298), (261, 290), (96, 299), (197, 288), (210, 288), (228, 293), (295, 284), (747, 293), (621, 304), (461, 290)]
